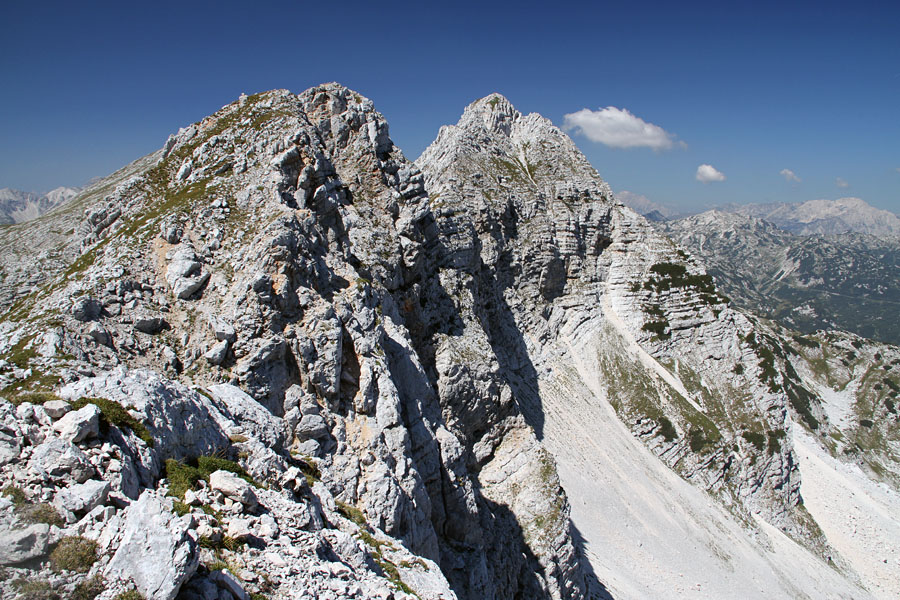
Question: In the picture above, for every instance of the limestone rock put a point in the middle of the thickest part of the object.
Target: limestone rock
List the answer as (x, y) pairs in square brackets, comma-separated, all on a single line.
[(155, 553), (56, 408), (150, 324), (20, 545), (57, 458), (86, 309), (10, 447), (216, 355), (312, 426), (82, 497), (233, 487), (79, 425)]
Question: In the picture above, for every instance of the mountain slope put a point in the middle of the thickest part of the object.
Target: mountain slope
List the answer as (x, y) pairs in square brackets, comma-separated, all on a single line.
[(849, 282), (610, 319), (442, 379)]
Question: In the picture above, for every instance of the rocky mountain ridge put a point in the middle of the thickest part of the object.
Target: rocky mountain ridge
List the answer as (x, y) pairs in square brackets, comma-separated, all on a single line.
[(393, 358)]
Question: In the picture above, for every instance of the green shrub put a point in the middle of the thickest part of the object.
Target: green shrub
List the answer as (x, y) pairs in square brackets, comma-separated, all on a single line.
[(130, 595), (34, 589), (697, 439), (42, 513), (182, 477), (666, 429), (89, 588), (866, 423), (210, 464), (74, 553), (352, 513), (775, 438), (658, 327), (16, 495), (113, 413), (757, 439)]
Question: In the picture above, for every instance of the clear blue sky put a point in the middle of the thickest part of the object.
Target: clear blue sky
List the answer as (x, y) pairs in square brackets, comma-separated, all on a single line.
[(749, 88)]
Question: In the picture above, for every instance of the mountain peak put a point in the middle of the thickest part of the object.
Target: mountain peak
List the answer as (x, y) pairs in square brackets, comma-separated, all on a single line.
[(494, 112)]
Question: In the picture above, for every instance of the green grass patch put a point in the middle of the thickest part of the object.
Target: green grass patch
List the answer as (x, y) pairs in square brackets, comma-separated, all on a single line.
[(74, 553), (15, 494), (89, 589), (184, 476), (352, 513), (34, 589), (113, 413)]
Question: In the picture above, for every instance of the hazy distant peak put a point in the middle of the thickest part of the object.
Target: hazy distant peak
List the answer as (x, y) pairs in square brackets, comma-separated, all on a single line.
[(17, 206), (825, 217)]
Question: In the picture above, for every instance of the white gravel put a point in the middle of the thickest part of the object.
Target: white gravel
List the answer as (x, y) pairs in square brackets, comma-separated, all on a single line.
[(860, 517)]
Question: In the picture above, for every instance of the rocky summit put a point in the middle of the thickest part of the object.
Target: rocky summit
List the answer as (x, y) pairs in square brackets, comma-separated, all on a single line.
[(277, 359)]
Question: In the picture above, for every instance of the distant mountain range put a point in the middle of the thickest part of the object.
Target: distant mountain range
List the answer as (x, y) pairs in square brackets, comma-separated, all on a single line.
[(814, 217), (825, 217), (17, 206), (849, 281)]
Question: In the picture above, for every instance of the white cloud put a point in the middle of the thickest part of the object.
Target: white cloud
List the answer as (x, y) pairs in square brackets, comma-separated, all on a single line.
[(618, 128), (789, 175), (841, 183), (708, 173)]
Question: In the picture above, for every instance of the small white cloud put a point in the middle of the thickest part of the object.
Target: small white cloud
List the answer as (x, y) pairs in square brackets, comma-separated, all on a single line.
[(841, 183), (789, 175), (618, 128), (708, 173)]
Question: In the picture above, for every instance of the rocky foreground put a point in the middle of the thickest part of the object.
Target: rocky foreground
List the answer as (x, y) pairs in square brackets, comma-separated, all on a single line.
[(276, 359)]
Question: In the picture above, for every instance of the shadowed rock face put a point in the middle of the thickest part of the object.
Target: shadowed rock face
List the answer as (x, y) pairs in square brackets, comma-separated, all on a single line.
[(390, 347)]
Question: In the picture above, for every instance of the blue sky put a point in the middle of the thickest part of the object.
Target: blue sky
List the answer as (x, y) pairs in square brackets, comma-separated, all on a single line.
[(751, 90)]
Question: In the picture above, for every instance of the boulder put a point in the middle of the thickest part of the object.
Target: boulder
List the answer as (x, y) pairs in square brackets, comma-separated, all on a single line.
[(233, 487), (79, 425), (82, 497), (239, 529), (56, 408), (222, 329), (254, 419), (182, 422), (216, 355), (10, 448), (56, 458), (155, 553), (150, 324), (186, 287), (312, 426), (86, 309), (20, 545), (99, 333)]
